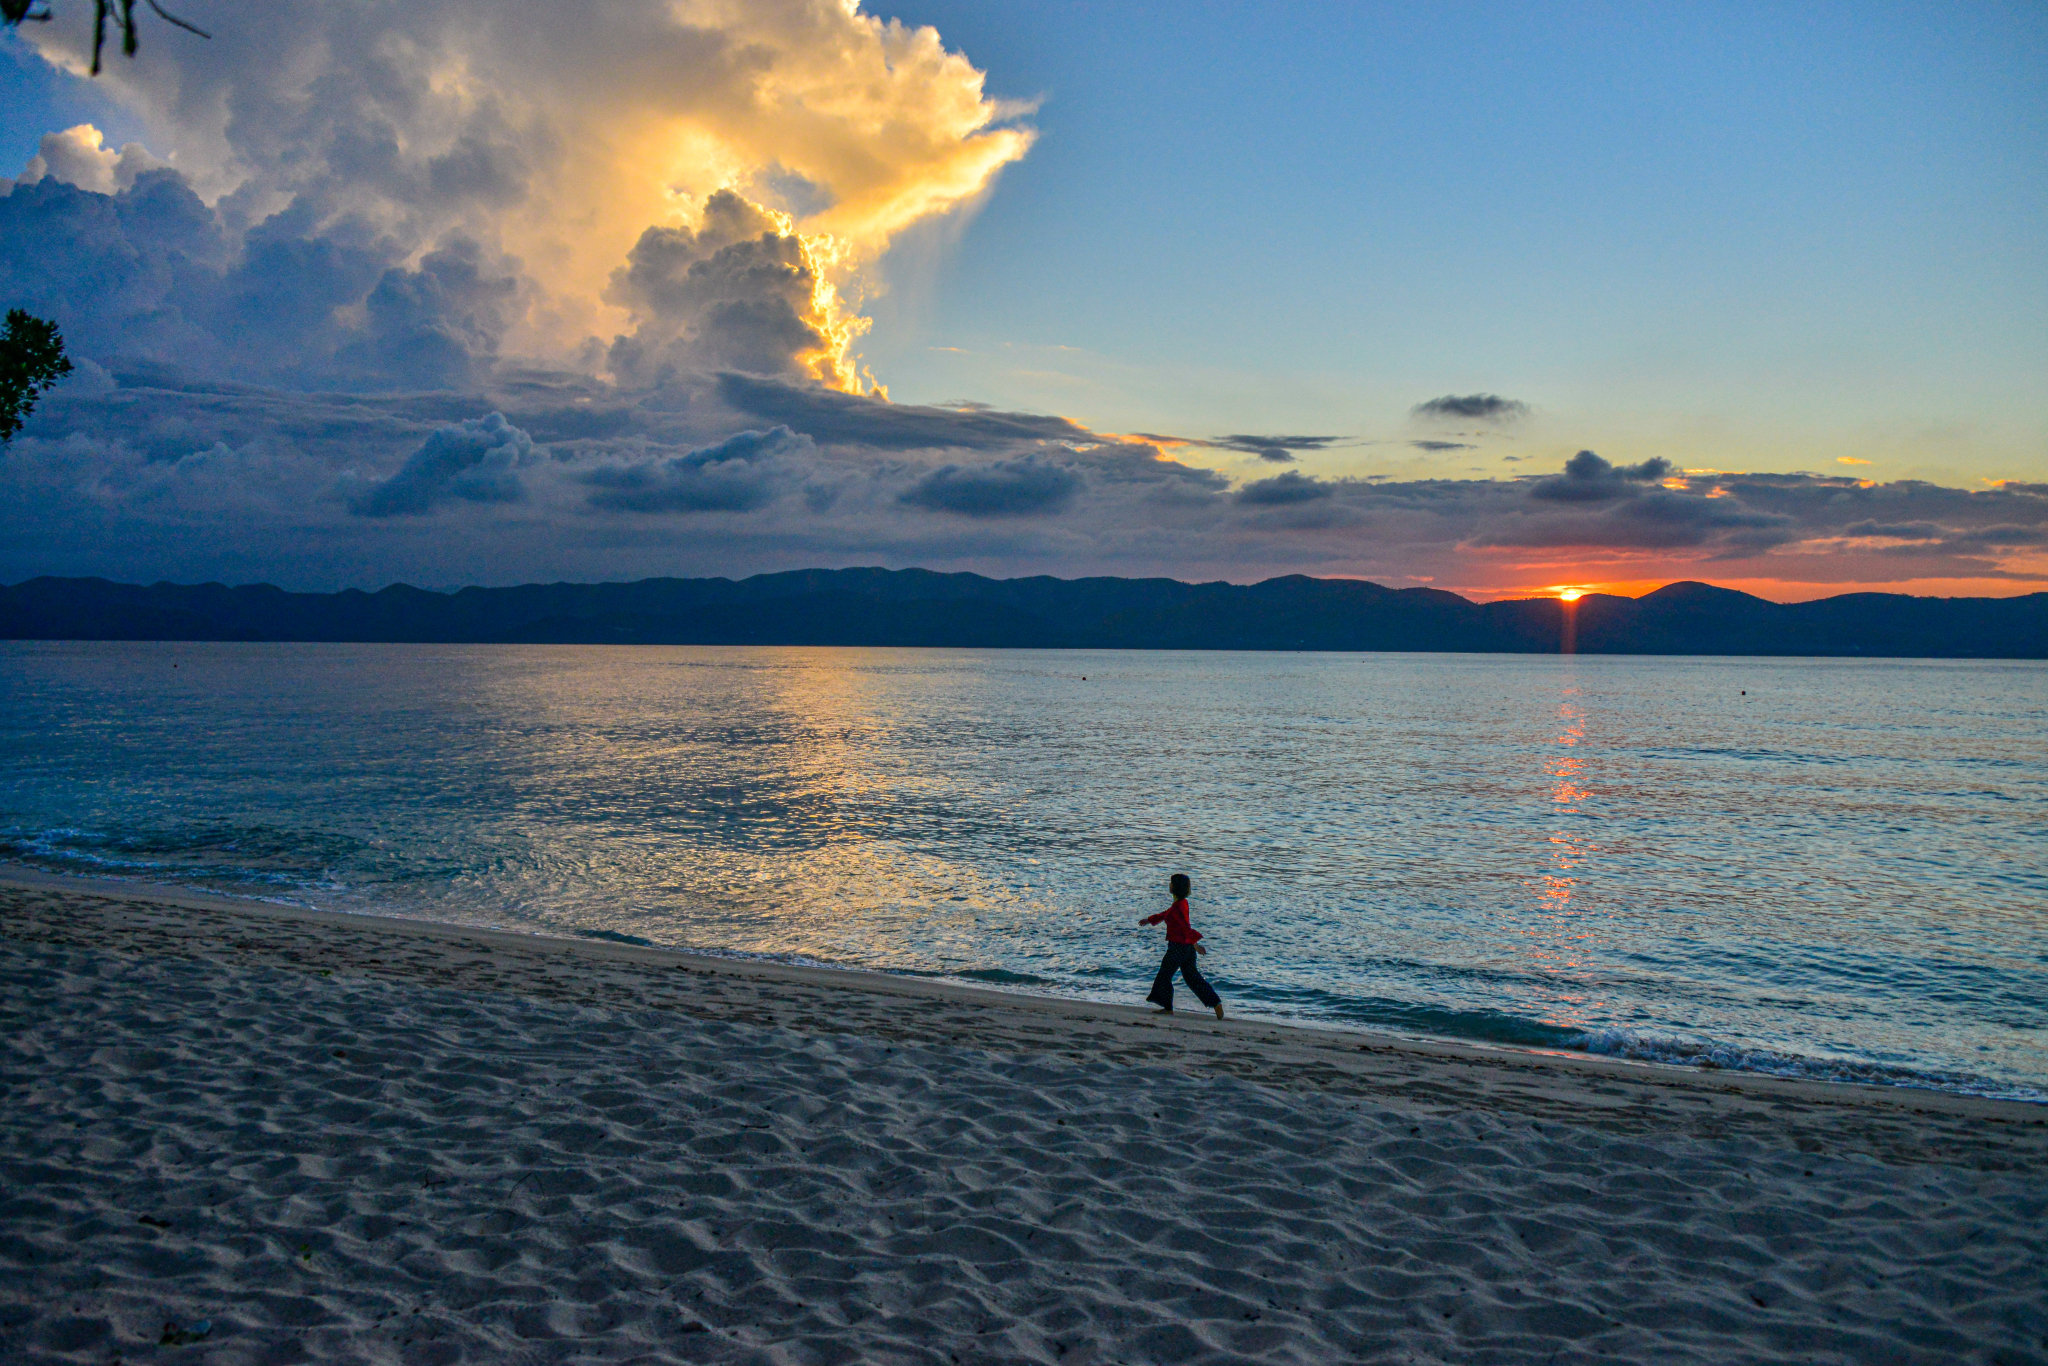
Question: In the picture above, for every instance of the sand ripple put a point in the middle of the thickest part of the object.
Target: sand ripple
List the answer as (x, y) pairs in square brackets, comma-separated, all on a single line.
[(268, 1166)]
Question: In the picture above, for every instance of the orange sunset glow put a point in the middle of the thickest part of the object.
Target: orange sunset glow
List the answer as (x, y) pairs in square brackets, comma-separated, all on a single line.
[(1773, 589)]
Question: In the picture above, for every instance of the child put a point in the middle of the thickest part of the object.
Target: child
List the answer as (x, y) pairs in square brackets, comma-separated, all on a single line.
[(1181, 948)]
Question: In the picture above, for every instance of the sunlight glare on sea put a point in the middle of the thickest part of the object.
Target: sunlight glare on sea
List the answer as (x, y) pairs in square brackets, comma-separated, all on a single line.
[(1817, 867)]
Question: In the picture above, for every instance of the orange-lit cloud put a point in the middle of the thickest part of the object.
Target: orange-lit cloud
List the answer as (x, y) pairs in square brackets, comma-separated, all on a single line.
[(560, 137), (78, 156)]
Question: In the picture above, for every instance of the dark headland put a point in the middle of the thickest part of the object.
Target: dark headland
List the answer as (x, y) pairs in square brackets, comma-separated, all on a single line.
[(919, 607)]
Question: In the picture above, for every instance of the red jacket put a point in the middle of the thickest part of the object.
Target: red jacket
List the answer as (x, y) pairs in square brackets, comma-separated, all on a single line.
[(1178, 931)]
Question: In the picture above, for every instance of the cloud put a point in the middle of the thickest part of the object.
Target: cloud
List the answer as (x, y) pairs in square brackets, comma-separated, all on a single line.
[(1659, 520), (1278, 449), (741, 473), (439, 325), (742, 291), (151, 272), (850, 419), (143, 474), (429, 295), (1283, 489), (116, 271), (1435, 446), (78, 157), (473, 461), (1849, 460), (1472, 407), (1006, 488), (369, 136), (1993, 539), (1589, 479), (1932, 538), (1902, 531)]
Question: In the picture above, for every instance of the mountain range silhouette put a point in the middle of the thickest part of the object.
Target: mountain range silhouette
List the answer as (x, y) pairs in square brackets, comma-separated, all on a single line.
[(916, 607)]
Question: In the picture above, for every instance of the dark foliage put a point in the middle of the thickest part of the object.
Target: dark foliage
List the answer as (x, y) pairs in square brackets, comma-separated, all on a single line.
[(115, 14), (31, 360)]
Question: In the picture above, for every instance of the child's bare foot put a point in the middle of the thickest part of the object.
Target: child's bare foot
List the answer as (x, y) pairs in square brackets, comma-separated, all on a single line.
[(1219, 1010)]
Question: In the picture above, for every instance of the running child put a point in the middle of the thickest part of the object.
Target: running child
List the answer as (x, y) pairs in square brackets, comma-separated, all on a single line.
[(1183, 942)]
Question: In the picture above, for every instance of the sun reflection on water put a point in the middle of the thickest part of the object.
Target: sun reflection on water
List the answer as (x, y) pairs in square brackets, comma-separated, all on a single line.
[(1560, 944), (1510, 848)]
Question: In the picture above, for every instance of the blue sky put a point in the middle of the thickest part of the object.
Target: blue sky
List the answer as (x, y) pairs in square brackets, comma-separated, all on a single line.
[(1762, 290), (1730, 234)]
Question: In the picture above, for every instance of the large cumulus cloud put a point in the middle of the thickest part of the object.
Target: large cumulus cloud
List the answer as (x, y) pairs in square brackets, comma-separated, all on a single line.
[(704, 180), (152, 272), (741, 291), (1589, 479)]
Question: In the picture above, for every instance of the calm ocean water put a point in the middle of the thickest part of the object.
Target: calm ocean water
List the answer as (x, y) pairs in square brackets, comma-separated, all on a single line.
[(1813, 867)]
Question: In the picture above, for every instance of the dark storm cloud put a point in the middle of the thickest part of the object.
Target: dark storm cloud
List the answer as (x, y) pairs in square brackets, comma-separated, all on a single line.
[(438, 324), (734, 293), (305, 297), (486, 166), (1653, 521), (1472, 407), (742, 472), (474, 461), (1901, 531), (1285, 488), (1970, 531), (832, 418), (1589, 479), (1434, 447), (1278, 449), (1998, 538), (1006, 488), (139, 473)]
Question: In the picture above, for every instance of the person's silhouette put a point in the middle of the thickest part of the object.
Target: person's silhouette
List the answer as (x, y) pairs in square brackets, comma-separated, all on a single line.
[(1183, 942)]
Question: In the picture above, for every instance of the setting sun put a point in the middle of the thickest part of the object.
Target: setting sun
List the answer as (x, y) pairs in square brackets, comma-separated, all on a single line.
[(1571, 594)]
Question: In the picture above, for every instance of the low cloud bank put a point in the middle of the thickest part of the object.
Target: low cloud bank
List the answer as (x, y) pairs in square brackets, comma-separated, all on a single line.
[(142, 472), (474, 461), (745, 471)]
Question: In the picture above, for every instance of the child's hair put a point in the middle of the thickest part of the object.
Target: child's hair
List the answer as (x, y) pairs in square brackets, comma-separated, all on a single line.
[(1178, 884)]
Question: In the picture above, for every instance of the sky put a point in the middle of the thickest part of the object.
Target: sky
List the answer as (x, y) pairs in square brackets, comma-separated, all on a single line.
[(1495, 298)]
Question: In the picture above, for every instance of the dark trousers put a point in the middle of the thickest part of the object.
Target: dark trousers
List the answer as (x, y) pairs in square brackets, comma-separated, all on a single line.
[(1180, 958)]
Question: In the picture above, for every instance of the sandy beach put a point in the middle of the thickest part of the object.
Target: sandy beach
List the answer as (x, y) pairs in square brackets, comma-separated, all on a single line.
[(239, 1133)]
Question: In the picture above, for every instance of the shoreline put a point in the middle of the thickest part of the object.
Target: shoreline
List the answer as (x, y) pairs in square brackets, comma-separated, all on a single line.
[(324, 1137), (1434, 1074), (854, 978)]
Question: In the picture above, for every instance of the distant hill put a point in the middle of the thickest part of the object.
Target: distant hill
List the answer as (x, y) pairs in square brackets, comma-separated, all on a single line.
[(919, 607)]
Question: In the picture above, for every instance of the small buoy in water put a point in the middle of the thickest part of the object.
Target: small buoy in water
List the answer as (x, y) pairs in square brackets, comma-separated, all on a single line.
[(1745, 692)]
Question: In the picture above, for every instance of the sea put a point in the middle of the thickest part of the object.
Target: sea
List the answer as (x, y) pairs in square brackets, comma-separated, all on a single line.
[(1819, 868)]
